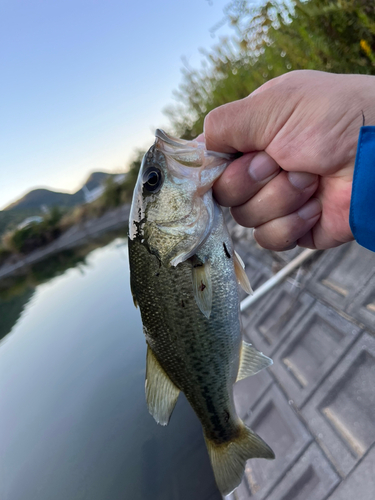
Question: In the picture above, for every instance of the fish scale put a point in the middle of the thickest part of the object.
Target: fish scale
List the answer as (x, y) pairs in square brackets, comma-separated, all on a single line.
[(188, 345)]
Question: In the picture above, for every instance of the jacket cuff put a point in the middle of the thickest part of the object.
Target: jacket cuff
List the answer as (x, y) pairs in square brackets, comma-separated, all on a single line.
[(362, 205)]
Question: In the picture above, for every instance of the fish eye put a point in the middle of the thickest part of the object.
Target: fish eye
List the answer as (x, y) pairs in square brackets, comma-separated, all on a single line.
[(152, 179)]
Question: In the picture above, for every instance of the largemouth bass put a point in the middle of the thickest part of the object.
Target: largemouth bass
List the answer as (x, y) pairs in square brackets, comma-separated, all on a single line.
[(184, 275)]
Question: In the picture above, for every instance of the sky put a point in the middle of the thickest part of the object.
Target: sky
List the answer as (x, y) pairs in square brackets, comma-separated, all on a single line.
[(83, 83)]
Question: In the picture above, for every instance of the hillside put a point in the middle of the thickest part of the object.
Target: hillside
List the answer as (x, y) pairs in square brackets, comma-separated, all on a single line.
[(37, 197), (96, 179), (11, 218), (30, 204)]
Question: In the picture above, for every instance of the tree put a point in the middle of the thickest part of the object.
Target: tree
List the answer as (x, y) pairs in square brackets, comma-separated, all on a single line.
[(269, 40)]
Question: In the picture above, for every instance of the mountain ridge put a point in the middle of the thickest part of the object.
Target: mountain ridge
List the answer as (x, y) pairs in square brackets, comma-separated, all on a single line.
[(38, 197), (31, 203)]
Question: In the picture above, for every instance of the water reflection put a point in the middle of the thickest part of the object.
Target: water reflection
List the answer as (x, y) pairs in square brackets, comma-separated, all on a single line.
[(73, 418), (17, 290), (11, 307)]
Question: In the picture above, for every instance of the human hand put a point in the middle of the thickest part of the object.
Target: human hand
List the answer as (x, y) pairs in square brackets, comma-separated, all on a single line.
[(307, 123)]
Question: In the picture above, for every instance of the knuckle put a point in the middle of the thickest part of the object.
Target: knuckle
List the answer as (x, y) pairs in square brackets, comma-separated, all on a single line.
[(212, 125), (281, 234), (209, 122), (240, 217), (223, 192)]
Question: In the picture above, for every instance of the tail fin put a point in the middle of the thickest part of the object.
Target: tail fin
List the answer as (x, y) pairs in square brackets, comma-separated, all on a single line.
[(228, 460)]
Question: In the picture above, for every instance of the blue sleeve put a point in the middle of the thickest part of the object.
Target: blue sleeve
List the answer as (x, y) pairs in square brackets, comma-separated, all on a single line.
[(362, 205)]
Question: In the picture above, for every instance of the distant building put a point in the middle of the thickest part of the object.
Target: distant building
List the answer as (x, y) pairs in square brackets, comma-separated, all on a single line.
[(94, 194), (119, 178), (36, 219), (44, 209)]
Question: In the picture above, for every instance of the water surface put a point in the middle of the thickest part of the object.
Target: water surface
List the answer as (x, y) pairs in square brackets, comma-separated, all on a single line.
[(73, 417)]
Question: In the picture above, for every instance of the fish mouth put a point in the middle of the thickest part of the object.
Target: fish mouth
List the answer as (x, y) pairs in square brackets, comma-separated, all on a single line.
[(172, 141), (190, 160), (183, 146)]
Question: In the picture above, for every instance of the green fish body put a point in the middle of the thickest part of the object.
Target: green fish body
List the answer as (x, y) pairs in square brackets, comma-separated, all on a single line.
[(184, 275)]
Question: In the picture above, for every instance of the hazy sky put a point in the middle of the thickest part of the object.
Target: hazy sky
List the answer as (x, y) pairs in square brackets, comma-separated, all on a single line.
[(84, 82)]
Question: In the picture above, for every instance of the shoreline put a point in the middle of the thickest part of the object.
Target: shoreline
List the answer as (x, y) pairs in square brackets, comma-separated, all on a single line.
[(74, 236)]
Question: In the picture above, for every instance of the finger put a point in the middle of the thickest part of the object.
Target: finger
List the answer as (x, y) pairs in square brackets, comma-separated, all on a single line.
[(250, 124), (324, 234), (281, 234), (307, 240), (283, 195), (244, 177)]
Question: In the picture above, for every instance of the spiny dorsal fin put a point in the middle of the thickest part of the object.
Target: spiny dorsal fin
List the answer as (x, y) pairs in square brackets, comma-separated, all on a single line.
[(202, 286), (242, 279), (251, 361), (161, 393)]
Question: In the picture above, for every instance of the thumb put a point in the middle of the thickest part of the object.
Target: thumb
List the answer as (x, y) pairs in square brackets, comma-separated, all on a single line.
[(251, 124)]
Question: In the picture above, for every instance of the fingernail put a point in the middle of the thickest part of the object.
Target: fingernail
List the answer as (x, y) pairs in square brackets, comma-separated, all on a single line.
[(301, 180), (262, 166), (310, 210)]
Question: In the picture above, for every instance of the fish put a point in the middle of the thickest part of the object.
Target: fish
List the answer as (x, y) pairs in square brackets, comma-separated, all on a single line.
[(184, 275)]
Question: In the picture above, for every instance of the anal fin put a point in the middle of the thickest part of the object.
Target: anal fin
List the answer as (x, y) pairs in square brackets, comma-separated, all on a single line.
[(251, 361), (161, 393)]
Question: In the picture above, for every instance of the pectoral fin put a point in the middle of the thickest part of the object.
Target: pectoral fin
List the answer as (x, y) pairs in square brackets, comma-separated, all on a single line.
[(135, 301), (242, 279), (133, 295), (202, 287), (251, 361), (161, 393)]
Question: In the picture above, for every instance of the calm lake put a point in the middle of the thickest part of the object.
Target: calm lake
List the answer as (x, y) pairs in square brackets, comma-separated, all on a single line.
[(73, 418)]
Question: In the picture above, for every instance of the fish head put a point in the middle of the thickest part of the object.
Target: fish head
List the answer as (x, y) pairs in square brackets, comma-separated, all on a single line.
[(173, 209)]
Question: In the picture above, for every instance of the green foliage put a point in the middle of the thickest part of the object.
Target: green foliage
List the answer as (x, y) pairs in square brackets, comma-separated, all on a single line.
[(53, 217), (35, 234), (116, 194), (4, 254), (58, 219), (9, 219), (269, 40), (112, 194)]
